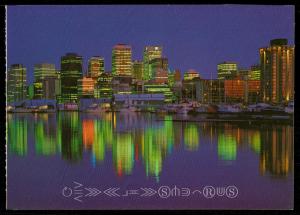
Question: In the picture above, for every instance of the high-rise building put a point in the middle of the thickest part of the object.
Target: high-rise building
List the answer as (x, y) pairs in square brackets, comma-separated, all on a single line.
[(121, 60), (277, 71), (150, 53), (255, 72), (44, 70), (51, 87), (71, 71), (104, 86), (95, 67), (161, 76), (157, 64), (86, 87), (16, 83), (227, 70), (137, 70)]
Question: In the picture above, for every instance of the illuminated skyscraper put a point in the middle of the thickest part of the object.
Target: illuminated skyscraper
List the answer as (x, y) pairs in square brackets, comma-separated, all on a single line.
[(96, 67), (42, 71), (156, 65), (227, 70), (103, 87), (86, 87), (71, 71), (121, 60), (150, 53), (277, 71), (255, 72), (16, 83), (137, 69)]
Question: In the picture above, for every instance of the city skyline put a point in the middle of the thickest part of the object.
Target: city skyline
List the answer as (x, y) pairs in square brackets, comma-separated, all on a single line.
[(199, 53)]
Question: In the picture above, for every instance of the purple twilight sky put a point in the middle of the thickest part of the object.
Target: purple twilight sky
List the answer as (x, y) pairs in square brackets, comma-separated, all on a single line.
[(193, 36)]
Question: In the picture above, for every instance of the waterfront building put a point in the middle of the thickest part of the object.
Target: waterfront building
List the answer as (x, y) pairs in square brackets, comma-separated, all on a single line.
[(150, 53), (210, 91), (51, 88), (122, 85), (189, 87), (161, 76), (103, 87), (154, 88), (16, 83), (255, 72), (86, 87), (277, 72), (157, 64), (238, 90), (121, 60), (44, 70), (227, 70), (95, 67), (138, 70), (243, 73), (190, 75), (71, 71)]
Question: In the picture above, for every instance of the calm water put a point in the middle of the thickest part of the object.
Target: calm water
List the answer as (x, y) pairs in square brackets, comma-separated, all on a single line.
[(67, 161)]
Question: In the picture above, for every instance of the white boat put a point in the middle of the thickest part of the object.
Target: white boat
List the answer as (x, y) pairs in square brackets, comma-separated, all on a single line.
[(290, 108), (229, 109), (184, 108), (201, 109), (95, 108)]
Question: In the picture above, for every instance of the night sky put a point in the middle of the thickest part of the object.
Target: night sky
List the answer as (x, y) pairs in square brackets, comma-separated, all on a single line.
[(193, 37)]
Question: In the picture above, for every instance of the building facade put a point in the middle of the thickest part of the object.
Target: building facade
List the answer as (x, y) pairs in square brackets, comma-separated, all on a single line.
[(137, 70), (16, 83), (71, 71), (121, 60), (150, 53), (95, 67), (227, 70), (277, 72)]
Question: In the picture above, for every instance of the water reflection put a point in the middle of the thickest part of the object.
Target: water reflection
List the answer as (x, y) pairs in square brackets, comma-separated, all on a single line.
[(141, 137)]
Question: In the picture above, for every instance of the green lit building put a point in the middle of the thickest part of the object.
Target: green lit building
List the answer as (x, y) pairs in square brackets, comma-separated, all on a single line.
[(227, 70), (255, 72), (150, 53), (71, 71), (16, 83), (121, 60), (137, 70), (160, 88), (95, 67), (45, 70), (103, 87), (156, 65)]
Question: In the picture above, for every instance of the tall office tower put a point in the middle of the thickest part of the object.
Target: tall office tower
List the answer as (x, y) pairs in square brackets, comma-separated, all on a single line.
[(42, 71), (156, 65), (121, 60), (86, 87), (277, 71), (255, 72), (95, 67), (227, 70), (16, 83), (71, 71), (137, 70), (150, 53)]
